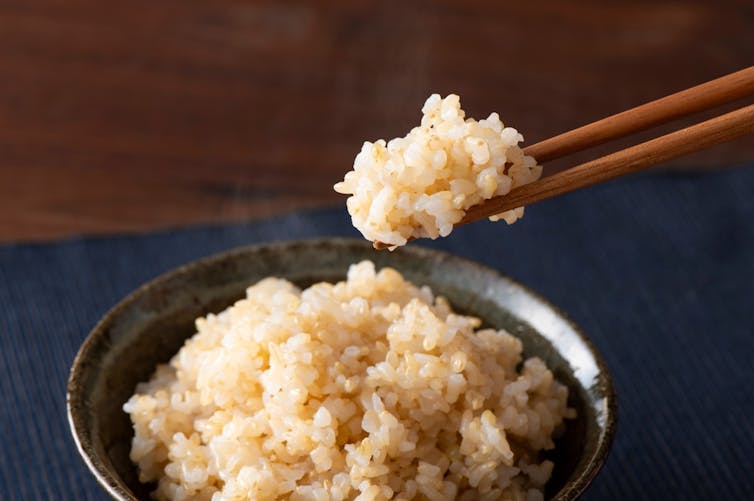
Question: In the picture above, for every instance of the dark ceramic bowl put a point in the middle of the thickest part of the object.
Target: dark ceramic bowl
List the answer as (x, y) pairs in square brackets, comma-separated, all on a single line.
[(151, 324)]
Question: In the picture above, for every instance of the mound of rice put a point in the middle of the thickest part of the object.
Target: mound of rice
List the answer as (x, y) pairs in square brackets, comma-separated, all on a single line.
[(367, 389), (421, 185)]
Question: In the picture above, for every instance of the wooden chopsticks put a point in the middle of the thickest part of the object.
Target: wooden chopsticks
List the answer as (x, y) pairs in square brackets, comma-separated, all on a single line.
[(702, 97), (696, 137)]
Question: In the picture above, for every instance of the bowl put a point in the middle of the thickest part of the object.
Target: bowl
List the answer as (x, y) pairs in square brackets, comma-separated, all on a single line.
[(150, 325)]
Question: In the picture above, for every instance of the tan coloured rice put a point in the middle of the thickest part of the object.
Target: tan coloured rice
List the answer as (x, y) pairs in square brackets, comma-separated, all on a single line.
[(421, 185), (367, 389)]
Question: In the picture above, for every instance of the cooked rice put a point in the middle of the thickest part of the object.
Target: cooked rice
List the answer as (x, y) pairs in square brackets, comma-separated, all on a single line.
[(422, 184), (367, 389)]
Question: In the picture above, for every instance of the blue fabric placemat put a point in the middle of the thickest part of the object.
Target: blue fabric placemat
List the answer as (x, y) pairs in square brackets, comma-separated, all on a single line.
[(658, 270)]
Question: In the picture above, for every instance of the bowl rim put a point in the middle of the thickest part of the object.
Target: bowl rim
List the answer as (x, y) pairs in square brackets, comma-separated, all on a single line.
[(75, 397)]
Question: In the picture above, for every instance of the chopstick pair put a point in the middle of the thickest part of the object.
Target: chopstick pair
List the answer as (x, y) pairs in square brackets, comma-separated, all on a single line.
[(714, 131)]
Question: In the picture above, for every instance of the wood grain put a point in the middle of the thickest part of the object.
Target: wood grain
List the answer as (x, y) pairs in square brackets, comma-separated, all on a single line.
[(126, 116)]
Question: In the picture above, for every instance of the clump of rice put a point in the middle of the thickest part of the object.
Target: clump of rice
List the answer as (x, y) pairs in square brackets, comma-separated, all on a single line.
[(421, 185), (367, 389)]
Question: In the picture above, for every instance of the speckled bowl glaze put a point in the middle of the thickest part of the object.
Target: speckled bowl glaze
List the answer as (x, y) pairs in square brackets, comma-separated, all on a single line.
[(149, 326)]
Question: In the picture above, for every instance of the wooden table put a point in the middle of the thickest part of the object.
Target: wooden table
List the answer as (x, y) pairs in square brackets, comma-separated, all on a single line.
[(126, 116)]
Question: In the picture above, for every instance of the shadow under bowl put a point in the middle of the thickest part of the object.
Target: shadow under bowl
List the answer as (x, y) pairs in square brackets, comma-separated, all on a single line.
[(149, 326)]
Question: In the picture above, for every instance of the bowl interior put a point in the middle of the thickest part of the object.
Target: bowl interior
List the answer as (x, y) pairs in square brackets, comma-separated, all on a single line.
[(150, 326)]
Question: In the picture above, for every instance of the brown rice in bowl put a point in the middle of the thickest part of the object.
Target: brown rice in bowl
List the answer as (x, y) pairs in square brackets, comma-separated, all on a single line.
[(371, 388), (420, 185)]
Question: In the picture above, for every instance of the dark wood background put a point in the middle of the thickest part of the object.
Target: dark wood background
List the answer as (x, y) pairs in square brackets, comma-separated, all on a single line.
[(125, 116)]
